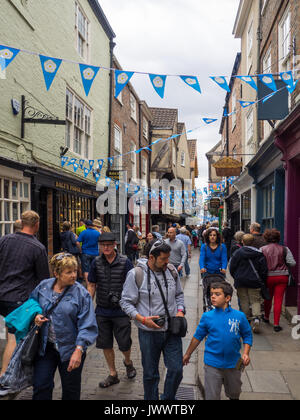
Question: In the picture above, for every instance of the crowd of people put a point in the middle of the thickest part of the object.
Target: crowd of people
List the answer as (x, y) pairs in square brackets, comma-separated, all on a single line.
[(93, 292)]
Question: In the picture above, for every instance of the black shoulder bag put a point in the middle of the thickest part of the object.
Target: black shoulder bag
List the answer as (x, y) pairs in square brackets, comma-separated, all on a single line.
[(31, 347), (292, 281), (177, 324)]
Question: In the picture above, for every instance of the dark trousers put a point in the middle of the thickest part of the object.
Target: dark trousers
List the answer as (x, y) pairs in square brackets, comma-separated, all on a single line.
[(152, 344), (43, 377)]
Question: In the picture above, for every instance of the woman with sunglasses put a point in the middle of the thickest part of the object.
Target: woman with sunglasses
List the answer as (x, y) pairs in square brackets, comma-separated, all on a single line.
[(66, 333)]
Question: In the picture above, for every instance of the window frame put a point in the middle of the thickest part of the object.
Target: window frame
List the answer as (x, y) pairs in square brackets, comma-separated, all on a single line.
[(82, 37), (79, 126)]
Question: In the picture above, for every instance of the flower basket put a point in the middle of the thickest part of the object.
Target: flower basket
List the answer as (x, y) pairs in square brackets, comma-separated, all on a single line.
[(228, 167)]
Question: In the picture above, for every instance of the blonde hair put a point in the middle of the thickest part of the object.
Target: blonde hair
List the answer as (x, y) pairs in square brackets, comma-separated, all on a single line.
[(29, 218), (106, 229), (248, 239), (62, 261)]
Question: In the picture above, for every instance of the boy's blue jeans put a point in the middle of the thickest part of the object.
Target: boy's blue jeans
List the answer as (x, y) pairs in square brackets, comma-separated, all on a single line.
[(152, 344)]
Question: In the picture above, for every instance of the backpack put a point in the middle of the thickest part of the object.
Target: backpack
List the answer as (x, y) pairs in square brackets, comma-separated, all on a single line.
[(139, 274)]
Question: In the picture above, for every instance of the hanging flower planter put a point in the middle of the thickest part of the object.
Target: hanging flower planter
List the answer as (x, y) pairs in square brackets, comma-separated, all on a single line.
[(228, 167)]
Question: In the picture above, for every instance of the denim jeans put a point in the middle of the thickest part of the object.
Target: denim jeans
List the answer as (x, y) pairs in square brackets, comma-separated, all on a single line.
[(187, 266), (152, 344), (43, 377)]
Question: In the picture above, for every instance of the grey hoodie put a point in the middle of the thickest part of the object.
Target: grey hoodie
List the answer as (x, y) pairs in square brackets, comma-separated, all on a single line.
[(136, 301)]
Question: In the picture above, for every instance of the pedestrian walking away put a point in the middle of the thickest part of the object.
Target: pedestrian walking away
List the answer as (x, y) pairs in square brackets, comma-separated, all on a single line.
[(248, 267), (184, 237), (142, 300), (23, 265), (259, 240), (90, 247), (223, 329), (106, 280), (131, 242), (178, 254), (66, 334), (279, 259)]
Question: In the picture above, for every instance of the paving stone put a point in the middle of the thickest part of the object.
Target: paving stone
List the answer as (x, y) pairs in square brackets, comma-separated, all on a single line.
[(267, 381)]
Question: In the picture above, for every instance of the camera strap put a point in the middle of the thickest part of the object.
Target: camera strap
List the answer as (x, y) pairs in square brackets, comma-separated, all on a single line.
[(160, 290)]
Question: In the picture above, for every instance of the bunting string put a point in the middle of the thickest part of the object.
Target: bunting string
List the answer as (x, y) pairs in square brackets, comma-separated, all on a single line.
[(50, 67)]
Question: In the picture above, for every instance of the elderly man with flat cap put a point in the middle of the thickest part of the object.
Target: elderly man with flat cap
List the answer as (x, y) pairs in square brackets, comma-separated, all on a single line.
[(106, 279)]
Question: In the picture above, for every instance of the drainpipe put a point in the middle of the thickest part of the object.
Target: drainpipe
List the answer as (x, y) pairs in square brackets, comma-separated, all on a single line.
[(111, 85), (258, 63)]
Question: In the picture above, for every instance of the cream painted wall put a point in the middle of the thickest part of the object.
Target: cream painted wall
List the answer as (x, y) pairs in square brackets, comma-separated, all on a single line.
[(49, 28)]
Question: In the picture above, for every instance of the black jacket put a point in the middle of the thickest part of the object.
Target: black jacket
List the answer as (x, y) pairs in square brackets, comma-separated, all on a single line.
[(241, 270), (110, 278), (23, 265)]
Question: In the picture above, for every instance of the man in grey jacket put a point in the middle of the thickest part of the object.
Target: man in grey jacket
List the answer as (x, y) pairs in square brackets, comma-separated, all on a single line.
[(142, 301), (178, 253)]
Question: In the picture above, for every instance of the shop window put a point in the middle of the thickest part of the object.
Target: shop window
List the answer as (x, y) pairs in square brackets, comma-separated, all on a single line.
[(73, 208), (14, 200)]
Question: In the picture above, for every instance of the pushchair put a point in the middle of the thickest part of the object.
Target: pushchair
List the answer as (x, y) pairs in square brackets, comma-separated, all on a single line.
[(207, 280)]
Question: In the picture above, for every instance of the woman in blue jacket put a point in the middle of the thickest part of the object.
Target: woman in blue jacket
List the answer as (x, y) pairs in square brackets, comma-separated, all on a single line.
[(65, 336), (213, 254)]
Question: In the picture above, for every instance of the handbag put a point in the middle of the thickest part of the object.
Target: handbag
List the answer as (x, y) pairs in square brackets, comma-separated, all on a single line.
[(31, 346), (263, 288), (291, 280), (177, 325)]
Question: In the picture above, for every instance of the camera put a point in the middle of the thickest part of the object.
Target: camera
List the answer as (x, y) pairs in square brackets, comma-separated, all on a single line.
[(114, 299), (160, 322)]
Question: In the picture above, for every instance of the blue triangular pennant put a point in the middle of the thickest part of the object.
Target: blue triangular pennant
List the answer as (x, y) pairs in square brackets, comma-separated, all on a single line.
[(268, 80), (86, 172), (91, 163), (121, 80), (7, 55), (192, 81), (245, 104), (50, 67), (249, 80), (71, 162), (209, 120), (100, 164), (107, 180), (110, 161), (159, 83), (287, 77), (88, 74), (81, 163), (75, 166), (64, 160), (221, 81)]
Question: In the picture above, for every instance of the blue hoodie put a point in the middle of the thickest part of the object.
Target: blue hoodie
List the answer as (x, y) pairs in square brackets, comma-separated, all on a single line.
[(224, 330)]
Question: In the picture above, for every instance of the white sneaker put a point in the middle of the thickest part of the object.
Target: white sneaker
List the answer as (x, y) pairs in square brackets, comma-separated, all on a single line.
[(188, 277), (4, 391), (256, 326)]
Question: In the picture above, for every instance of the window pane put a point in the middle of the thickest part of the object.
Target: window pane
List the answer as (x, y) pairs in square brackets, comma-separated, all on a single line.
[(6, 188), (7, 229), (26, 190), (15, 211), (15, 190), (7, 211)]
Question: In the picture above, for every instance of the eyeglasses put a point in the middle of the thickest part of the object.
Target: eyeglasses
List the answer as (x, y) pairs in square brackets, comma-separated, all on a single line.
[(60, 257)]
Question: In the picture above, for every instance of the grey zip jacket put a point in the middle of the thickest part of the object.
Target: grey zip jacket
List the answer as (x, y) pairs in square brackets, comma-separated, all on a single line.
[(136, 301)]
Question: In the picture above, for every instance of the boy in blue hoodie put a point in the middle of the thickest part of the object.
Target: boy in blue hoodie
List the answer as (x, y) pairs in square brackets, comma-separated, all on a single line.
[(224, 328)]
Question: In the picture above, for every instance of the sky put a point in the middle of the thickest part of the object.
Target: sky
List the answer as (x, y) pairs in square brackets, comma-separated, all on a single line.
[(188, 37)]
